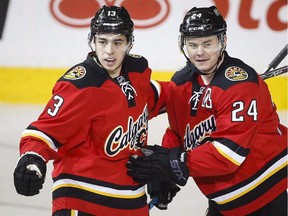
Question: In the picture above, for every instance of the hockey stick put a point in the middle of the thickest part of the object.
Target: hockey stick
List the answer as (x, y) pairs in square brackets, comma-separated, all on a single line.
[(152, 202), (274, 73), (274, 63)]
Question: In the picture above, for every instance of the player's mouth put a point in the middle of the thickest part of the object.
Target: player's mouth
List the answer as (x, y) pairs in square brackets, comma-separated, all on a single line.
[(110, 61), (201, 60)]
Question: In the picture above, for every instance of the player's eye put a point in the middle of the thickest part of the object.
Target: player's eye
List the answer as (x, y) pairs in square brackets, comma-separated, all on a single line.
[(102, 42), (193, 46), (118, 43)]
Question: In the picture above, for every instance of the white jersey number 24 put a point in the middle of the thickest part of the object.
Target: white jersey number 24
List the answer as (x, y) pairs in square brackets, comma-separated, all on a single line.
[(239, 106)]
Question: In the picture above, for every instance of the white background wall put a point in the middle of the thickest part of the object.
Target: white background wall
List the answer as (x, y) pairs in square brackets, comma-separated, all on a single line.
[(33, 37)]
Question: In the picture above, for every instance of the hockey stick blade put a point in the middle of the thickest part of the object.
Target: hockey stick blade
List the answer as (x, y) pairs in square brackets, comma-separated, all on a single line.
[(273, 73), (276, 61)]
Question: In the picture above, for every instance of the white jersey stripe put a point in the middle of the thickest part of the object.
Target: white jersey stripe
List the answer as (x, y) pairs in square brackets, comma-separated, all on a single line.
[(40, 135), (245, 189), (105, 191), (228, 153), (157, 86)]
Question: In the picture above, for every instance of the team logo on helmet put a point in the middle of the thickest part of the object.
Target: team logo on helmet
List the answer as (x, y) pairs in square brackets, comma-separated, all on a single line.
[(234, 73), (75, 73)]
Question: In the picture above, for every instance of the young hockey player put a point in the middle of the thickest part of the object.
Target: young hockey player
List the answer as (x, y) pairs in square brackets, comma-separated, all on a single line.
[(96, 119), (222, 118)]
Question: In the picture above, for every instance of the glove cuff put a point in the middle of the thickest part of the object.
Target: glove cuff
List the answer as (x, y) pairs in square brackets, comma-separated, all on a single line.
[(179, 171), (34, 162), (32, 153)]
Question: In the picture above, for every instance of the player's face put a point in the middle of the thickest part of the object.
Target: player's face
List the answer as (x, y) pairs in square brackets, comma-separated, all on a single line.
[(111, 50), (204, 52)]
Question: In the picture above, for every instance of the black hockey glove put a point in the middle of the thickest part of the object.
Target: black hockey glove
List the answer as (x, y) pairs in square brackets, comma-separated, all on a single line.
[(162, 165), (165, 191), (29, 174)]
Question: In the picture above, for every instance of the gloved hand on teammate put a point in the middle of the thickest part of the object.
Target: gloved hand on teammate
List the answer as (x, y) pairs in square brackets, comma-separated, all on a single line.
[(165, 191), (29, 174), (159, 164)]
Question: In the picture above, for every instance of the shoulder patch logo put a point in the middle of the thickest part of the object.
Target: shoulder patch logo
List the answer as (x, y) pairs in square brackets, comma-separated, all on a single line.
[(234, 73), (75, 73)]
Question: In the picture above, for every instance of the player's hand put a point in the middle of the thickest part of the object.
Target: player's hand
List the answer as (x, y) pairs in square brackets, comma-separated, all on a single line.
[(29, 174), (165, 191), (162, 164)]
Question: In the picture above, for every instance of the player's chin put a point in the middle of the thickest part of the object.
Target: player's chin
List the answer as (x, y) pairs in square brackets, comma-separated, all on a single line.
[(109, 65), (111, 69), (202, 68)]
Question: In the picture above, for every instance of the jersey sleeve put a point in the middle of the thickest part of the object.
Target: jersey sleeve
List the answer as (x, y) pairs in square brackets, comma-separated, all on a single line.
[(171, 137), (63, 121), (157, 98)]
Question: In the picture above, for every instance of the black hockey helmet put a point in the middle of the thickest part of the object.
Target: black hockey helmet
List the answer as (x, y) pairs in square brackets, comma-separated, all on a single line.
[(112, 19), (202, 22)]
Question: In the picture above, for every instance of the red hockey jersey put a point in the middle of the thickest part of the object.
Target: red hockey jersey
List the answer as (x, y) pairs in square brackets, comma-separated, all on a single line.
[(90, 127), (237, 149)]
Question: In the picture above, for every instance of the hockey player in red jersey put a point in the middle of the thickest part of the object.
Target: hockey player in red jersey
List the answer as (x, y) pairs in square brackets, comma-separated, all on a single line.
[(222, 118), (96, 119)]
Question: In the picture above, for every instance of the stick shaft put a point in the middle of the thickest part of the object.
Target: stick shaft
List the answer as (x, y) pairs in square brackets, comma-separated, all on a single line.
[(276, 61), (152, 202), (275, 72)]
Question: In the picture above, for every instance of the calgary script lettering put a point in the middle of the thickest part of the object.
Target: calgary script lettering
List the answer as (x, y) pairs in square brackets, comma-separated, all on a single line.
[(194, 137), (134, 137)]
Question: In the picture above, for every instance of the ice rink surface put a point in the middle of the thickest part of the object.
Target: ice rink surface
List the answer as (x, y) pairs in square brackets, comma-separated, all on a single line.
[(15, 118)]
